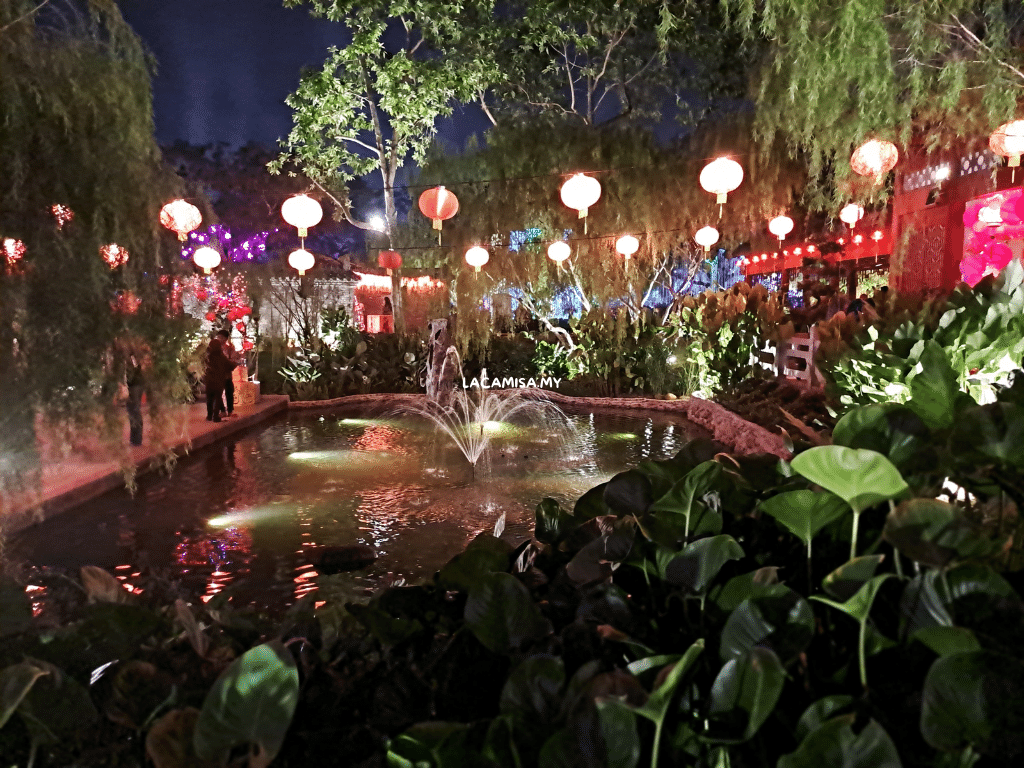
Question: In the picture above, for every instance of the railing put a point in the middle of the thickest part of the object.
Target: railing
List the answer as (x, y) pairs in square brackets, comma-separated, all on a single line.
[(793, 359)]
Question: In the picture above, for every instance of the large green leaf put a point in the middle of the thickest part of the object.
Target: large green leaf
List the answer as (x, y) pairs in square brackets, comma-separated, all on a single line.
[(469, 566), (820, 711), (934, 389), (628, 493), (859, 605), (657, 704), (744, 695), (502, 615), (934, 532), (56, 706), (552, 523), (739, 588), (251, 704), (775, 617), (892, 429), (845, 580), (990, 433), (534, 689), (860, 477), (946, 641), (389, 630), (974, 698), (804, 513), (698, 564), (834, 743), (682, 498), (619, 731), (15, 683)]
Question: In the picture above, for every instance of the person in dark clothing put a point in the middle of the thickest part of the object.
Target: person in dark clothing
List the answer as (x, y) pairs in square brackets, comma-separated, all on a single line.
[(218, 371), (229, 384), (136, 386)]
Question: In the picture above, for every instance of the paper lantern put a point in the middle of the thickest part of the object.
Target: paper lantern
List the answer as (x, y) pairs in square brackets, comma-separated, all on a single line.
[(302, 212), (559, 251), (114, 255), (300, 260), (851, 214), (390, 260), (181, 217), (1008, 140), (476, 257), (627, 245), (581, 192), (874, 158), (780, 226), (207, 258), (438, 204), (720, 177), (706, 237)]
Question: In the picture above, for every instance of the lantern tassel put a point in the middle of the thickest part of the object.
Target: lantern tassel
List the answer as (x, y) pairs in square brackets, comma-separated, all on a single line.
[(436, 223)]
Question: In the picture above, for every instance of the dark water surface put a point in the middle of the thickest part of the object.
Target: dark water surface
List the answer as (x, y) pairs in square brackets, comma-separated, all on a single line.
[(256, 507)]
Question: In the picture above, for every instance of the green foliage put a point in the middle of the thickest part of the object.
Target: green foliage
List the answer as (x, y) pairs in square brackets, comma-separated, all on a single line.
[(978, 331), (839, 72)]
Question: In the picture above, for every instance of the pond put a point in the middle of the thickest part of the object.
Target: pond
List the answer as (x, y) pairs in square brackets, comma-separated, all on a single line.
[(256, 510)]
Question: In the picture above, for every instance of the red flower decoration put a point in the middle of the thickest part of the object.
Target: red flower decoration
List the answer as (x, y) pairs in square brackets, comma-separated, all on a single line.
[(202, 294), (246, 345), (211, 316), (241, 327)]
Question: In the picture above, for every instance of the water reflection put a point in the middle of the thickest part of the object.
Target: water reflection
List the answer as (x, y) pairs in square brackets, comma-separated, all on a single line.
[(260, 508)]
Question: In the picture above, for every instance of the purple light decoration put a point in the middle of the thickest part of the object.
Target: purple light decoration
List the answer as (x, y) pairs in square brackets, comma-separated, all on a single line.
[(220, 234)]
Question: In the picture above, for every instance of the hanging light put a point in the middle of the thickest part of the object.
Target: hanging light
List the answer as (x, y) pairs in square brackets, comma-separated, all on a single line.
[(757, 259), (811, 249), (559, 251), (302, 212), (780, 226), (858, 239), (438, 204), (180, 216), (851, 214), (627, 245), (581, 192), (114, 255), (62, 214), (13, 251), (206, 258), (1008, 140), (706, 237), (476, 257), (720, 177), (876, 235), (390, 260), (874, 158), (301, 260)]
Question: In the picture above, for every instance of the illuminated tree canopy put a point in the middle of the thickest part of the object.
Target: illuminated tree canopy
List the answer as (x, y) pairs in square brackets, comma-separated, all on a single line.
[(837, 72), (76, 131)]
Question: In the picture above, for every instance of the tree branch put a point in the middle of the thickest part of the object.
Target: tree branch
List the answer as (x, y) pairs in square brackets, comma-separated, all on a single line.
[(23, 16)]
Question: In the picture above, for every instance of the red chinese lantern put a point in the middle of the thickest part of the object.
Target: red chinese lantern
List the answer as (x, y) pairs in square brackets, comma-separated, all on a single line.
[(438, 204), (851, 214), (1008, 140), (301, 260), (780, 226), (559, 251), (206, 258), (706, 237), (476, 257), (181, 217), (627, 245), (874, 158), (390, 260)]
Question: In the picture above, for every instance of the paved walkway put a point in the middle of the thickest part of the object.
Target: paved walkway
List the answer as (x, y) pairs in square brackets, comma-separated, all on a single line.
[(73, 480)]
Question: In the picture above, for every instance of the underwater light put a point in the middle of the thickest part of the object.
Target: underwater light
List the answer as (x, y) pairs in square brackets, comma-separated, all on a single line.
[(247, 516)]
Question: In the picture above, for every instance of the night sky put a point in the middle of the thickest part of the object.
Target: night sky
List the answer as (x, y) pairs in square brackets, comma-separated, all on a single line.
[(224, 68)]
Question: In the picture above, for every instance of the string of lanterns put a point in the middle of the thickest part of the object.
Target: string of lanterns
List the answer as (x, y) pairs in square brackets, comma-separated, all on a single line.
[(874, 158)]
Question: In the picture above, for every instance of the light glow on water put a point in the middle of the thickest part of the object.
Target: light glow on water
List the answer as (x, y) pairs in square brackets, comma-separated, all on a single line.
[(250, 516)]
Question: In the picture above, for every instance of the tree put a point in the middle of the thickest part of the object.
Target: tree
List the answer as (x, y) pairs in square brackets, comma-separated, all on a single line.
[(837, 72), (374, 104), (608, 61), (76, 139)]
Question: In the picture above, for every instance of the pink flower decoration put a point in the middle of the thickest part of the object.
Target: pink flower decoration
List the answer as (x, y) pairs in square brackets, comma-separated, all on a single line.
[(972, 269), (971, 214), (1008, 211)]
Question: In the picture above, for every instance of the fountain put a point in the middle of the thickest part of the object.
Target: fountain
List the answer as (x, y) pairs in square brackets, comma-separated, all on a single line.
[(470, 417)]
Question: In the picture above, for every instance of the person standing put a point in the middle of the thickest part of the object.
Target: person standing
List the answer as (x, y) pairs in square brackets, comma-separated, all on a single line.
[(218, 371), (234, 358), (136, 384)]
